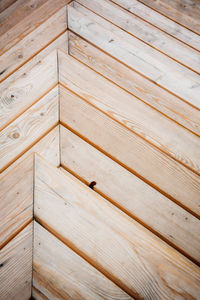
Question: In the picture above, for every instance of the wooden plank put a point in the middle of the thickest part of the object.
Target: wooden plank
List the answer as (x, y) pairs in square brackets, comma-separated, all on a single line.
[(30, 23), (9, 9), (176, 13), (47, 147), (16, 187), (16, 267), (160, 21), (33, 43), (145, 32), (149, 62), (130, 255), (19, 14), (4, 4), (24, 87), (155, 128), (131, 194), (134, 83), (28, 128), (131, 151), (78, 280)]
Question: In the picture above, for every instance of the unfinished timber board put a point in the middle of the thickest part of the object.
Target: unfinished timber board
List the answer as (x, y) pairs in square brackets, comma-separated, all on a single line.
[(99, 149)]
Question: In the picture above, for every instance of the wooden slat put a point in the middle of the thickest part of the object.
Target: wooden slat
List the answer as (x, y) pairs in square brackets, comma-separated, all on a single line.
[(47, 147), (4, 4), (131, 151), (160, 21), (16, 187), (141, 57), (130, 255), (145, 32), (128, 110), (30, 23), (179, 13), (130, 193), (26, 86), (13, 6), (34, 42), (16, 267), (28, 128), (134, 83), (59, 273)]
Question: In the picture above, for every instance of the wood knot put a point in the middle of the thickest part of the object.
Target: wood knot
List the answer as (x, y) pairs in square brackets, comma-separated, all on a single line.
[(15, 135)]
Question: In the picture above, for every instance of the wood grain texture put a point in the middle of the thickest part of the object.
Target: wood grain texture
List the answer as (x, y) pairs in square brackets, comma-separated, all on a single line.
[(139, 56), (28, 24), (4, 4), (131, 151), (34, 42), (28, 128), (130, 255), (16, 266), (180, 12), (130, 193), (155, 128), (16, 200), (145, 32), (47, 147), (11, 7), (134, 83), (160, 21), (59, 273), (16, 187), (27, 85)]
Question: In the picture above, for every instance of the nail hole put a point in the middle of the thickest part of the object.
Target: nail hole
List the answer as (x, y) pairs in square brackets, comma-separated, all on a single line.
[(92, 184)]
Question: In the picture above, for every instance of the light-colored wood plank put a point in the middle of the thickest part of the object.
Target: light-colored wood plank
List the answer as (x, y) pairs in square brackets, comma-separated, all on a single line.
[(158, 130), (131, 151), (59, 273), (16, 200), (160, 21), (16, 187), (16, 267), (134, 83), (131, 194), (145, 32), (30, 23), (34, 42), (24, 87), (177, 13), (28, 128), (156, 66), (47, 147), (130, 255)]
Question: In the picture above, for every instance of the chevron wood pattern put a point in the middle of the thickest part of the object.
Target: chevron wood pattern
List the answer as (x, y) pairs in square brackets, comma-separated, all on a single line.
[(99, 149)]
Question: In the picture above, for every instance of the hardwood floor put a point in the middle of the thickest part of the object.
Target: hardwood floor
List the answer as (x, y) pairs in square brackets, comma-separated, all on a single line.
[(99, 149)]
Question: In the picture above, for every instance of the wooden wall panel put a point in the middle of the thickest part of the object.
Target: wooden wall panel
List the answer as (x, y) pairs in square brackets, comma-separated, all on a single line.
[(131, 151), (180, 11), (34, 42), (126, 109), (130, 193), (134, 83), (28, 128), (141, 57), (145, 32), (131, 256), (16, 187), (26, 86), (160, 21), (59, 273), (16, 266)]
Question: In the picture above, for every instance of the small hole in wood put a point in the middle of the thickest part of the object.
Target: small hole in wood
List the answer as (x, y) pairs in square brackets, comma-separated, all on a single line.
[(92, 184)]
